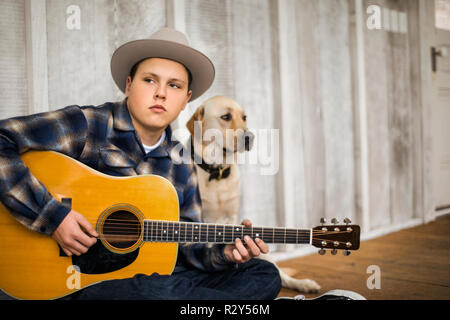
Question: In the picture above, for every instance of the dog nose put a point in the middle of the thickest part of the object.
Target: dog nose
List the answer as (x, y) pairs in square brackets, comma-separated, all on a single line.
[(248, 140)]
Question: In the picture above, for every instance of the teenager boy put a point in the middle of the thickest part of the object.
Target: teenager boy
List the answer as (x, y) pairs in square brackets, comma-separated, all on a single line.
[(159, 76)]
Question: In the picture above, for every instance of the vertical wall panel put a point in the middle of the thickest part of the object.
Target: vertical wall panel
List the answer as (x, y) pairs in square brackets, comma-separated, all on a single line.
[(13, 83), (389, 118), (252, 70), (208, 28), (337, 108)]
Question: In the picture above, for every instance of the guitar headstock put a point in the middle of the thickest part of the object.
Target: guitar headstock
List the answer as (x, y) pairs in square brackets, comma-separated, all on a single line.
[(336, 236)]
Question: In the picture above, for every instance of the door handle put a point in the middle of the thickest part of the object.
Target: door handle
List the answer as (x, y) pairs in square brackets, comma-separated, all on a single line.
[(435, 52)]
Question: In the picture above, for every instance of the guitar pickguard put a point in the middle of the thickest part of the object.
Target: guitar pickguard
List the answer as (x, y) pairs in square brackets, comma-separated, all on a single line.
[(99, 260)]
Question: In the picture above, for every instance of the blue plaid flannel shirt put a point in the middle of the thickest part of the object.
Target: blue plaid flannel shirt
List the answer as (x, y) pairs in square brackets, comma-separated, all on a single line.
[(102, 137)]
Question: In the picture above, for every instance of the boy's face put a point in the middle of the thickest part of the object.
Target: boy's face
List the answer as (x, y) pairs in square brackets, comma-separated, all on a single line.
[(157, 94)]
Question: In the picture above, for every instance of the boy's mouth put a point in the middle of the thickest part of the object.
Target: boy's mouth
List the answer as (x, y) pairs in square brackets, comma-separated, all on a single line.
[(158, 108)]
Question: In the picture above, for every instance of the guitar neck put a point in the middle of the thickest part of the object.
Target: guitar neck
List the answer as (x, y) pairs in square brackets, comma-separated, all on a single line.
[(182, 232)]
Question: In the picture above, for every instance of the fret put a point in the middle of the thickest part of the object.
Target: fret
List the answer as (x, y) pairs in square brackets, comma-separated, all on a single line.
[(219, 233), (189, 232), (176, 232), (145, 231), (164, 231), (279, 235), (257, 233), (238, 232), (291, 236), (159, 231), (196, 233), (152, 230), (156, 231), (211, 233), (203, 232), (149, 231), (182, 232), (247, 232), (170, 232), (228, 234)]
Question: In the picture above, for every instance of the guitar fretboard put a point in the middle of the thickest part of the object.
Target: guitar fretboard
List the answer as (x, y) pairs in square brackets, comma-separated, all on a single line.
[(182, 232)]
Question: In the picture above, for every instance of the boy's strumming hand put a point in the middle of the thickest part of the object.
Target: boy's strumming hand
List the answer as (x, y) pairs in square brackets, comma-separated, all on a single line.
[(243, 251), (75, 234)]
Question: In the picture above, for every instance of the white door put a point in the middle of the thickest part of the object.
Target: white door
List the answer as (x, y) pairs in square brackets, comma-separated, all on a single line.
[(441, 126)]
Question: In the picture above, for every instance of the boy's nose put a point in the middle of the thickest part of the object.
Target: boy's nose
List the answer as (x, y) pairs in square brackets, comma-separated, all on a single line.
[(160, 93)]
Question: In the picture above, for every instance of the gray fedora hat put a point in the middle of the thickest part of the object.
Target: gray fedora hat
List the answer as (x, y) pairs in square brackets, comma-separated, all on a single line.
[(169, 44)]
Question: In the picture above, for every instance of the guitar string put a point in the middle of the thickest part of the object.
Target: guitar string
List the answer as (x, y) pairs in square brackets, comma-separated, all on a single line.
[(226, 228), (170, 240), (289, 234), (226, 231)]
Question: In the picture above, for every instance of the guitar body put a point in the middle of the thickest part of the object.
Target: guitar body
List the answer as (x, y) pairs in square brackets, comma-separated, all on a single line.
[(32, 266)]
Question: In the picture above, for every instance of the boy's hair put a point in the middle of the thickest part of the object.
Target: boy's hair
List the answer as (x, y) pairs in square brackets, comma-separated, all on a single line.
[(136, 65)]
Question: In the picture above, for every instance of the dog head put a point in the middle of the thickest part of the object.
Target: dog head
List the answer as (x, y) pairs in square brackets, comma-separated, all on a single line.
[(220, 122)]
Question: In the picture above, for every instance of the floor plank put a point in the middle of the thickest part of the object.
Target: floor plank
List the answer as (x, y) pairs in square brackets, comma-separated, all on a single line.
[(414, 264)]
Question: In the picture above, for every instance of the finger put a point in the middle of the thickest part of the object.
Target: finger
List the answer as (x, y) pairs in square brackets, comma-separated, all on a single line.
[(247, 223), (86, 225), (262, 245), (254, 249), (242, 250), (84, 239), (70, 251), (237, 257), (67, 252), (77, 248)]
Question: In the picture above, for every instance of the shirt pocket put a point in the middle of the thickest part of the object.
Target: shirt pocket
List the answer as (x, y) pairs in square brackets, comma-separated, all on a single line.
[(117, 162)]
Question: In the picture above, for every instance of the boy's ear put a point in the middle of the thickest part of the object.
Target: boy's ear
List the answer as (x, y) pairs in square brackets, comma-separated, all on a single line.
[(197, 116), (127, 86)]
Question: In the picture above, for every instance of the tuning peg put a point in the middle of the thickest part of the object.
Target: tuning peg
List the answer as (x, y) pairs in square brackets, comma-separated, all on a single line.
[(322, 251), (333, 252), (346, 252), (334, 221), (323, 221), (347, 221)]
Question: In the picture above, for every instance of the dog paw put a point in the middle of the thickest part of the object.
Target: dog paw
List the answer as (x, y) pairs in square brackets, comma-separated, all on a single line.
[(306, 286)]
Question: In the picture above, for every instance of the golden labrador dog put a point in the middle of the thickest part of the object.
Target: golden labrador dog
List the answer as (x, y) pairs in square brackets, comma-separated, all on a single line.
[(218, 132)]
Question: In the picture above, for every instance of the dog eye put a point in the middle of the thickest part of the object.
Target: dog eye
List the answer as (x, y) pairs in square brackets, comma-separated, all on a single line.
[(226, 117), (244, 118)]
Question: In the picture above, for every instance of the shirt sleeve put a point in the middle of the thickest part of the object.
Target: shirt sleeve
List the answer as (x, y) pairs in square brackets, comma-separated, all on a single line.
[(21, 193), (202, 256)]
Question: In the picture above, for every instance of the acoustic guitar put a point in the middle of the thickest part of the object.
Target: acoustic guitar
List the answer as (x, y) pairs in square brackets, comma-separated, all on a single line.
[(137, 219)]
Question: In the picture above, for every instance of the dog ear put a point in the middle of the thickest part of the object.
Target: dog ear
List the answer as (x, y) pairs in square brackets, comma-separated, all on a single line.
[(197, 116)]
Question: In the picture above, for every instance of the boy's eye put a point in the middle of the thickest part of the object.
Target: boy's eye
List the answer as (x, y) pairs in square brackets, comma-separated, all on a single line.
[(226, 117), (174, 85), (149, 80)]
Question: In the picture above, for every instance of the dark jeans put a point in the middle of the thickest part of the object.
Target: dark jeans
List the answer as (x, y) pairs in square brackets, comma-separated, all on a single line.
[(254, 280)]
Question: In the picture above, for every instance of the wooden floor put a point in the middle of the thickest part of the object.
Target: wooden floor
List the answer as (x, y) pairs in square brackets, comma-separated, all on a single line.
[(414, 264)]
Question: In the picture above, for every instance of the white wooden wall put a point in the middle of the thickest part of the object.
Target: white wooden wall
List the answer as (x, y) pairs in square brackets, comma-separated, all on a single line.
[(346, 100)]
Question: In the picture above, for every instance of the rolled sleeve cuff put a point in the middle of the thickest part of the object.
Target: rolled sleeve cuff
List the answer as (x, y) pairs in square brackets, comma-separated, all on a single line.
[(52, 215)]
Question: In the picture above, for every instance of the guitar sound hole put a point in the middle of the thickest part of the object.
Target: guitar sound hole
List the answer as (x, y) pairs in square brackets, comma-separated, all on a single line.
[(122, 229)]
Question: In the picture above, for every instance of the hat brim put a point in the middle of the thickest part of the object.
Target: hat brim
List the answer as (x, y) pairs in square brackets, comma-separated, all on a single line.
[(127, 55)]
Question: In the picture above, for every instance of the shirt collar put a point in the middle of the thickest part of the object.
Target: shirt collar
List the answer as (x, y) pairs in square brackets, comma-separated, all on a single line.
[(163, 150), (122, 118)]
